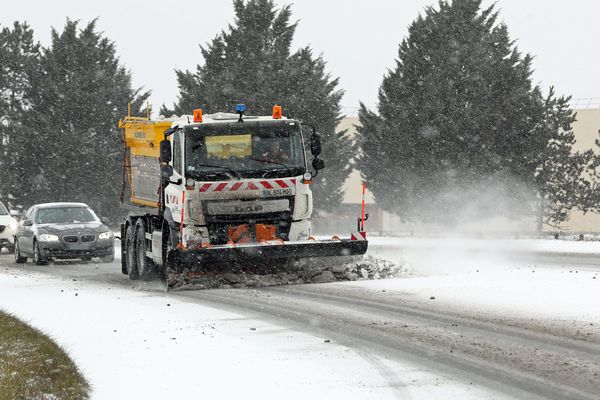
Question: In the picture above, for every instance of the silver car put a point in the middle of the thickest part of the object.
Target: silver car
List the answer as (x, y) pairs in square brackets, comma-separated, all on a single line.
[(54, 231)]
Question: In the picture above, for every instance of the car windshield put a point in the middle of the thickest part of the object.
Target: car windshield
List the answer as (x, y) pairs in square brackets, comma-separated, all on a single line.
[(64, 215), (3, 210), (248, 150)]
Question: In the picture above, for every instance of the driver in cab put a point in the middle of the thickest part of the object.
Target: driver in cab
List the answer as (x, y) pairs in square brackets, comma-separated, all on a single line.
[(274, 153)]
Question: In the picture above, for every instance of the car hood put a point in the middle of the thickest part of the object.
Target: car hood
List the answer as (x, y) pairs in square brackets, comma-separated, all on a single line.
[(65, 229)]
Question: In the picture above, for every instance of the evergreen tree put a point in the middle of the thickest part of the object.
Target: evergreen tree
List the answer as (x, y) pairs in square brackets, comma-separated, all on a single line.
[(82, 90), (19, 58), (458, 116), (252, 63)]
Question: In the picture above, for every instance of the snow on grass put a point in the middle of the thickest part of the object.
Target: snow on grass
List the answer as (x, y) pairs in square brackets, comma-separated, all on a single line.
[(32, 366)]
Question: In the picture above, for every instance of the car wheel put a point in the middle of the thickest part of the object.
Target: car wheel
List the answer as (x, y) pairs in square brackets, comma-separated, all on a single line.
[(86, 258), (37, 254), (144, 265), (18, 258)]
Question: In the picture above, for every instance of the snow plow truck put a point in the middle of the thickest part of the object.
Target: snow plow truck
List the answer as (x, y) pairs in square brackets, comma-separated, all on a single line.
[(206, 191)]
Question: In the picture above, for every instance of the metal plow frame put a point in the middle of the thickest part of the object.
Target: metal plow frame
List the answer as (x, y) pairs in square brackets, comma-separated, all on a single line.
[(200, 259)]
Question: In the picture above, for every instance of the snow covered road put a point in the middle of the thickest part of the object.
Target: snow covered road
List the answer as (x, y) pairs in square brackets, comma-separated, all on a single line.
[(476, 320)]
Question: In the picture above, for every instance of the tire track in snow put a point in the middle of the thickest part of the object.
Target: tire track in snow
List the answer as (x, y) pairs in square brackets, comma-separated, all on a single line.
[(503, 359)]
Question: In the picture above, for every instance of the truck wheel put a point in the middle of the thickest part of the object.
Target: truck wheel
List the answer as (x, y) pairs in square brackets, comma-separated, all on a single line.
[(144, 265), (38, 258), (18, 258), (129, 244)]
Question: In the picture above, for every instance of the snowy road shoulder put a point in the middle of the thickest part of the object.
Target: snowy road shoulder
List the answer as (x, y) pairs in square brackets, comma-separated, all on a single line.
[(561, 303)]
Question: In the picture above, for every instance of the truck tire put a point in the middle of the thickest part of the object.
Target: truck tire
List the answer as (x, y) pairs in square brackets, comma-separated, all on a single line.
[(130, 258), (144, 264), (18, 258)]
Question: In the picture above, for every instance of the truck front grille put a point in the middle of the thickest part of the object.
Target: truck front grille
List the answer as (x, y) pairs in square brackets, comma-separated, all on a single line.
[(218, 224)]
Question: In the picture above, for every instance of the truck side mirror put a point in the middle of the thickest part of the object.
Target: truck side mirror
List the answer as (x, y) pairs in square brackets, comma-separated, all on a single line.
[(28, 222), (318, 164), (315, 144), (165, 151)]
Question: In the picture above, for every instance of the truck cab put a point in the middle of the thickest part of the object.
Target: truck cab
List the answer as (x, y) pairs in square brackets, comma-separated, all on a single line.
[(239, 180)]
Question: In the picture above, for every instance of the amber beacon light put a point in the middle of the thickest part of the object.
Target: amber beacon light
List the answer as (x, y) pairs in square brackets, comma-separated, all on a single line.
[(276, 112), (197, 115)]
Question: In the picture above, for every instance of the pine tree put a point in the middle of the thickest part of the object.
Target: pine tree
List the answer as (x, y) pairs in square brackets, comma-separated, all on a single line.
[(82, 90), (19, 58), (457, 117), (564, 177), (252, 63)]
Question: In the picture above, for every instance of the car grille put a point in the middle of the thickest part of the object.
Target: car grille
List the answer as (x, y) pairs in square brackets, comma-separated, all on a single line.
[(71, 239), (87, 238), (2, 228)]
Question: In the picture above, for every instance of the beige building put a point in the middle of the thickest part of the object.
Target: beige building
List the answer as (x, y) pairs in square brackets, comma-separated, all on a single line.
[(586, 130)]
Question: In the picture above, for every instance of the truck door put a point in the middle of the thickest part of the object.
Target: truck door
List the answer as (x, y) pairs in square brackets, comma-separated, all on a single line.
[(174, 192)]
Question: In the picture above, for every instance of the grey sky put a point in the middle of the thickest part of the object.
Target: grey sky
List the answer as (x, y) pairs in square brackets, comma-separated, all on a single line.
[(358, 39)]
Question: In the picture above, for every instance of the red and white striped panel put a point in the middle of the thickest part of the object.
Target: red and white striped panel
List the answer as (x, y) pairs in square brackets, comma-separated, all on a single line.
[(234, 186), (358, 235)]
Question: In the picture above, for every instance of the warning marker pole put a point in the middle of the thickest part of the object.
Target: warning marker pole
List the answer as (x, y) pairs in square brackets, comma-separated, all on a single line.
[(362, 214)]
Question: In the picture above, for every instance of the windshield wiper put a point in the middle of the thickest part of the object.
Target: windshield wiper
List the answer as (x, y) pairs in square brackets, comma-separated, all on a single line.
[(230, 170)]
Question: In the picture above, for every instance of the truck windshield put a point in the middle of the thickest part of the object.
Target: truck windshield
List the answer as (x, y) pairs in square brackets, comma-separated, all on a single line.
[(3, 210), (244, 150)]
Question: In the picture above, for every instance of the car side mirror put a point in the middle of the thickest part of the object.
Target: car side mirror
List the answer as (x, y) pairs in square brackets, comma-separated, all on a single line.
[(13, 213), (28, 222), (105, 220), (315, 144), (318, 164), (165, 151)]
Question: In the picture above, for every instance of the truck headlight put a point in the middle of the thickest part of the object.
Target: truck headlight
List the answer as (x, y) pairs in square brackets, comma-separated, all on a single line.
[(48, 238), (105, 235)]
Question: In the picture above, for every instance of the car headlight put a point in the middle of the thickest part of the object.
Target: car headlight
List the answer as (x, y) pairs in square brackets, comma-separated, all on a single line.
[(105, 235), (13, 225), (48, 238)]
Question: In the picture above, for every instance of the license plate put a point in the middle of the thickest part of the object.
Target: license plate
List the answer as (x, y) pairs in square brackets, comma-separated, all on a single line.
[(78, 246), (277, 192)]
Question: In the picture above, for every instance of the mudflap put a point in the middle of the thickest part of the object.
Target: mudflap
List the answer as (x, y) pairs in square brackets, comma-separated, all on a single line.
[(205, 267)]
